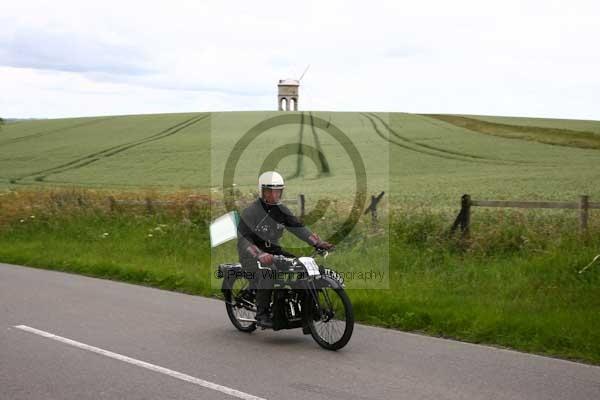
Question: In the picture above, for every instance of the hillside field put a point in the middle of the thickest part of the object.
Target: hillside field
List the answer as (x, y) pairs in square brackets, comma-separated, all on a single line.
[(416, 159)]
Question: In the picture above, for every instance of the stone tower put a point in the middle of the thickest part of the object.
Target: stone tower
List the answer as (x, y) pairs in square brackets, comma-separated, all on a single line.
[(287, 97)]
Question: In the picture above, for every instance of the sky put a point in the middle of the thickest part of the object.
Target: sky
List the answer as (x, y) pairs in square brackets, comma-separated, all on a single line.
[(87, 58)]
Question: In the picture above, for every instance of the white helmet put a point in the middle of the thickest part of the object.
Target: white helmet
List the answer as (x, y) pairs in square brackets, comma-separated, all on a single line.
[(270, 180)]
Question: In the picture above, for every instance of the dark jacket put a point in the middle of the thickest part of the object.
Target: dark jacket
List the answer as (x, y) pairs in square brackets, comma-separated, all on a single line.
[(262, 224)]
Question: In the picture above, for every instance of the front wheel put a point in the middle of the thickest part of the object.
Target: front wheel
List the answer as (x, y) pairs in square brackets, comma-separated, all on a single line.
[(332, 321), (240, 303)]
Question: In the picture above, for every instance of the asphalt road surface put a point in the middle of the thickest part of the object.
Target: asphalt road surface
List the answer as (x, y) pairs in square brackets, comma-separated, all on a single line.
[(65, 336)]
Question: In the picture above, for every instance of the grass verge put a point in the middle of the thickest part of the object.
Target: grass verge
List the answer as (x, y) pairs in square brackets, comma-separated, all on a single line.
[(514, 283), (555, 136)]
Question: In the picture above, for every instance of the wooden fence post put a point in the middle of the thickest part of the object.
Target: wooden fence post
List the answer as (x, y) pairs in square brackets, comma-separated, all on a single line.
[(584, 204), (149, 206), (112, 204), (465, 205), (463, 219), (373, 208), (190, 206), (301, 204)]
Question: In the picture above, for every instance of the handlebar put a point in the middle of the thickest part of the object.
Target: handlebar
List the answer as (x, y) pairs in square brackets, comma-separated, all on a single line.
[(290, 260), (283, 258), (321, 252)]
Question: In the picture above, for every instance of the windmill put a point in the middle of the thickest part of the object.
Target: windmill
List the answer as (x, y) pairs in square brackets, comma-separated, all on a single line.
[(287, 93)]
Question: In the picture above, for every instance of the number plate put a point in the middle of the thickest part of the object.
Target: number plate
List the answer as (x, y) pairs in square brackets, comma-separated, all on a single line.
[(311, 266), (334, 275)]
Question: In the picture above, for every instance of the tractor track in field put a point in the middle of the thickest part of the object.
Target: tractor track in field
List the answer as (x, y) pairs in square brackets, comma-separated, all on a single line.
[(101, 185), (324, 164), (407, 147), (413, 145), (299, 160), (111, 151), (44, 133), (443, 125), (324, 167)]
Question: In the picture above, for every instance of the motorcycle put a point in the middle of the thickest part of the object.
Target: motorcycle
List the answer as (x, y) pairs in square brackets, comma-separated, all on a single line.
[(306, 295)]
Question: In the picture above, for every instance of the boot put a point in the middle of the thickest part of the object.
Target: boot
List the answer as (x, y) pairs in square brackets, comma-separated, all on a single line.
[(263, 316), (264, 321)]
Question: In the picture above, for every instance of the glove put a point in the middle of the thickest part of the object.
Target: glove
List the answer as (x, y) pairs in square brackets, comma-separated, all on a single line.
[(325, 245), (316, 241), (265, 258)]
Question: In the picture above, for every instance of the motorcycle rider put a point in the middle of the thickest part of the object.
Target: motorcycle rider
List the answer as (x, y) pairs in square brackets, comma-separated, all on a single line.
[(260, 227)]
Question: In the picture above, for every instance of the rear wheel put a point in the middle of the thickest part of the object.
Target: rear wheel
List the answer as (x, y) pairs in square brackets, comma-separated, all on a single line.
[(333, 321), (240, 302)]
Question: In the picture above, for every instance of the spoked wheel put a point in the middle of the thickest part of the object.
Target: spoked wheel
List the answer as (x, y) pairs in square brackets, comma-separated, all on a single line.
[(240, 302), (332, 326)]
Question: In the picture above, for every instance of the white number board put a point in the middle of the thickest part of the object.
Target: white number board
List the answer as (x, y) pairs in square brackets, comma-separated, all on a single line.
[(311, 266)]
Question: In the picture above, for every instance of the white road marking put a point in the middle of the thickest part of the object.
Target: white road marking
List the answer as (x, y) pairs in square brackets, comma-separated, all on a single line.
[(143, 364)]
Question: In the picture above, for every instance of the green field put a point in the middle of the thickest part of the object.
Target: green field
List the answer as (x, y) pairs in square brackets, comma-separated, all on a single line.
[(572, 124), (129, 151), (417, 158)]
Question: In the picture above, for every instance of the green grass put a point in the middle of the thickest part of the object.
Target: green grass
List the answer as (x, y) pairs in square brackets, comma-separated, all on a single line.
[(570, 124), (175, 257), (515, 283), (107, 151), (548, 135)]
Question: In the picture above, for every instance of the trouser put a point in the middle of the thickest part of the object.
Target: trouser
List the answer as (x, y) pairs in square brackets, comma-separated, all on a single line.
[(262, 280)]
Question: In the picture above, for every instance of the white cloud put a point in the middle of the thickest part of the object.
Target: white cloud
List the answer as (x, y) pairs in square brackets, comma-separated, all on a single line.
[(532, 58)]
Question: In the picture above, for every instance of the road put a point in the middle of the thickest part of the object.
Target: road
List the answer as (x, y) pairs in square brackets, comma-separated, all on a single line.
[(65, 336)]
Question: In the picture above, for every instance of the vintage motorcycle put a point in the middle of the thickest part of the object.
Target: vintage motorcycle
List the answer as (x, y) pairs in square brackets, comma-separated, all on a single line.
[(306, 295)]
